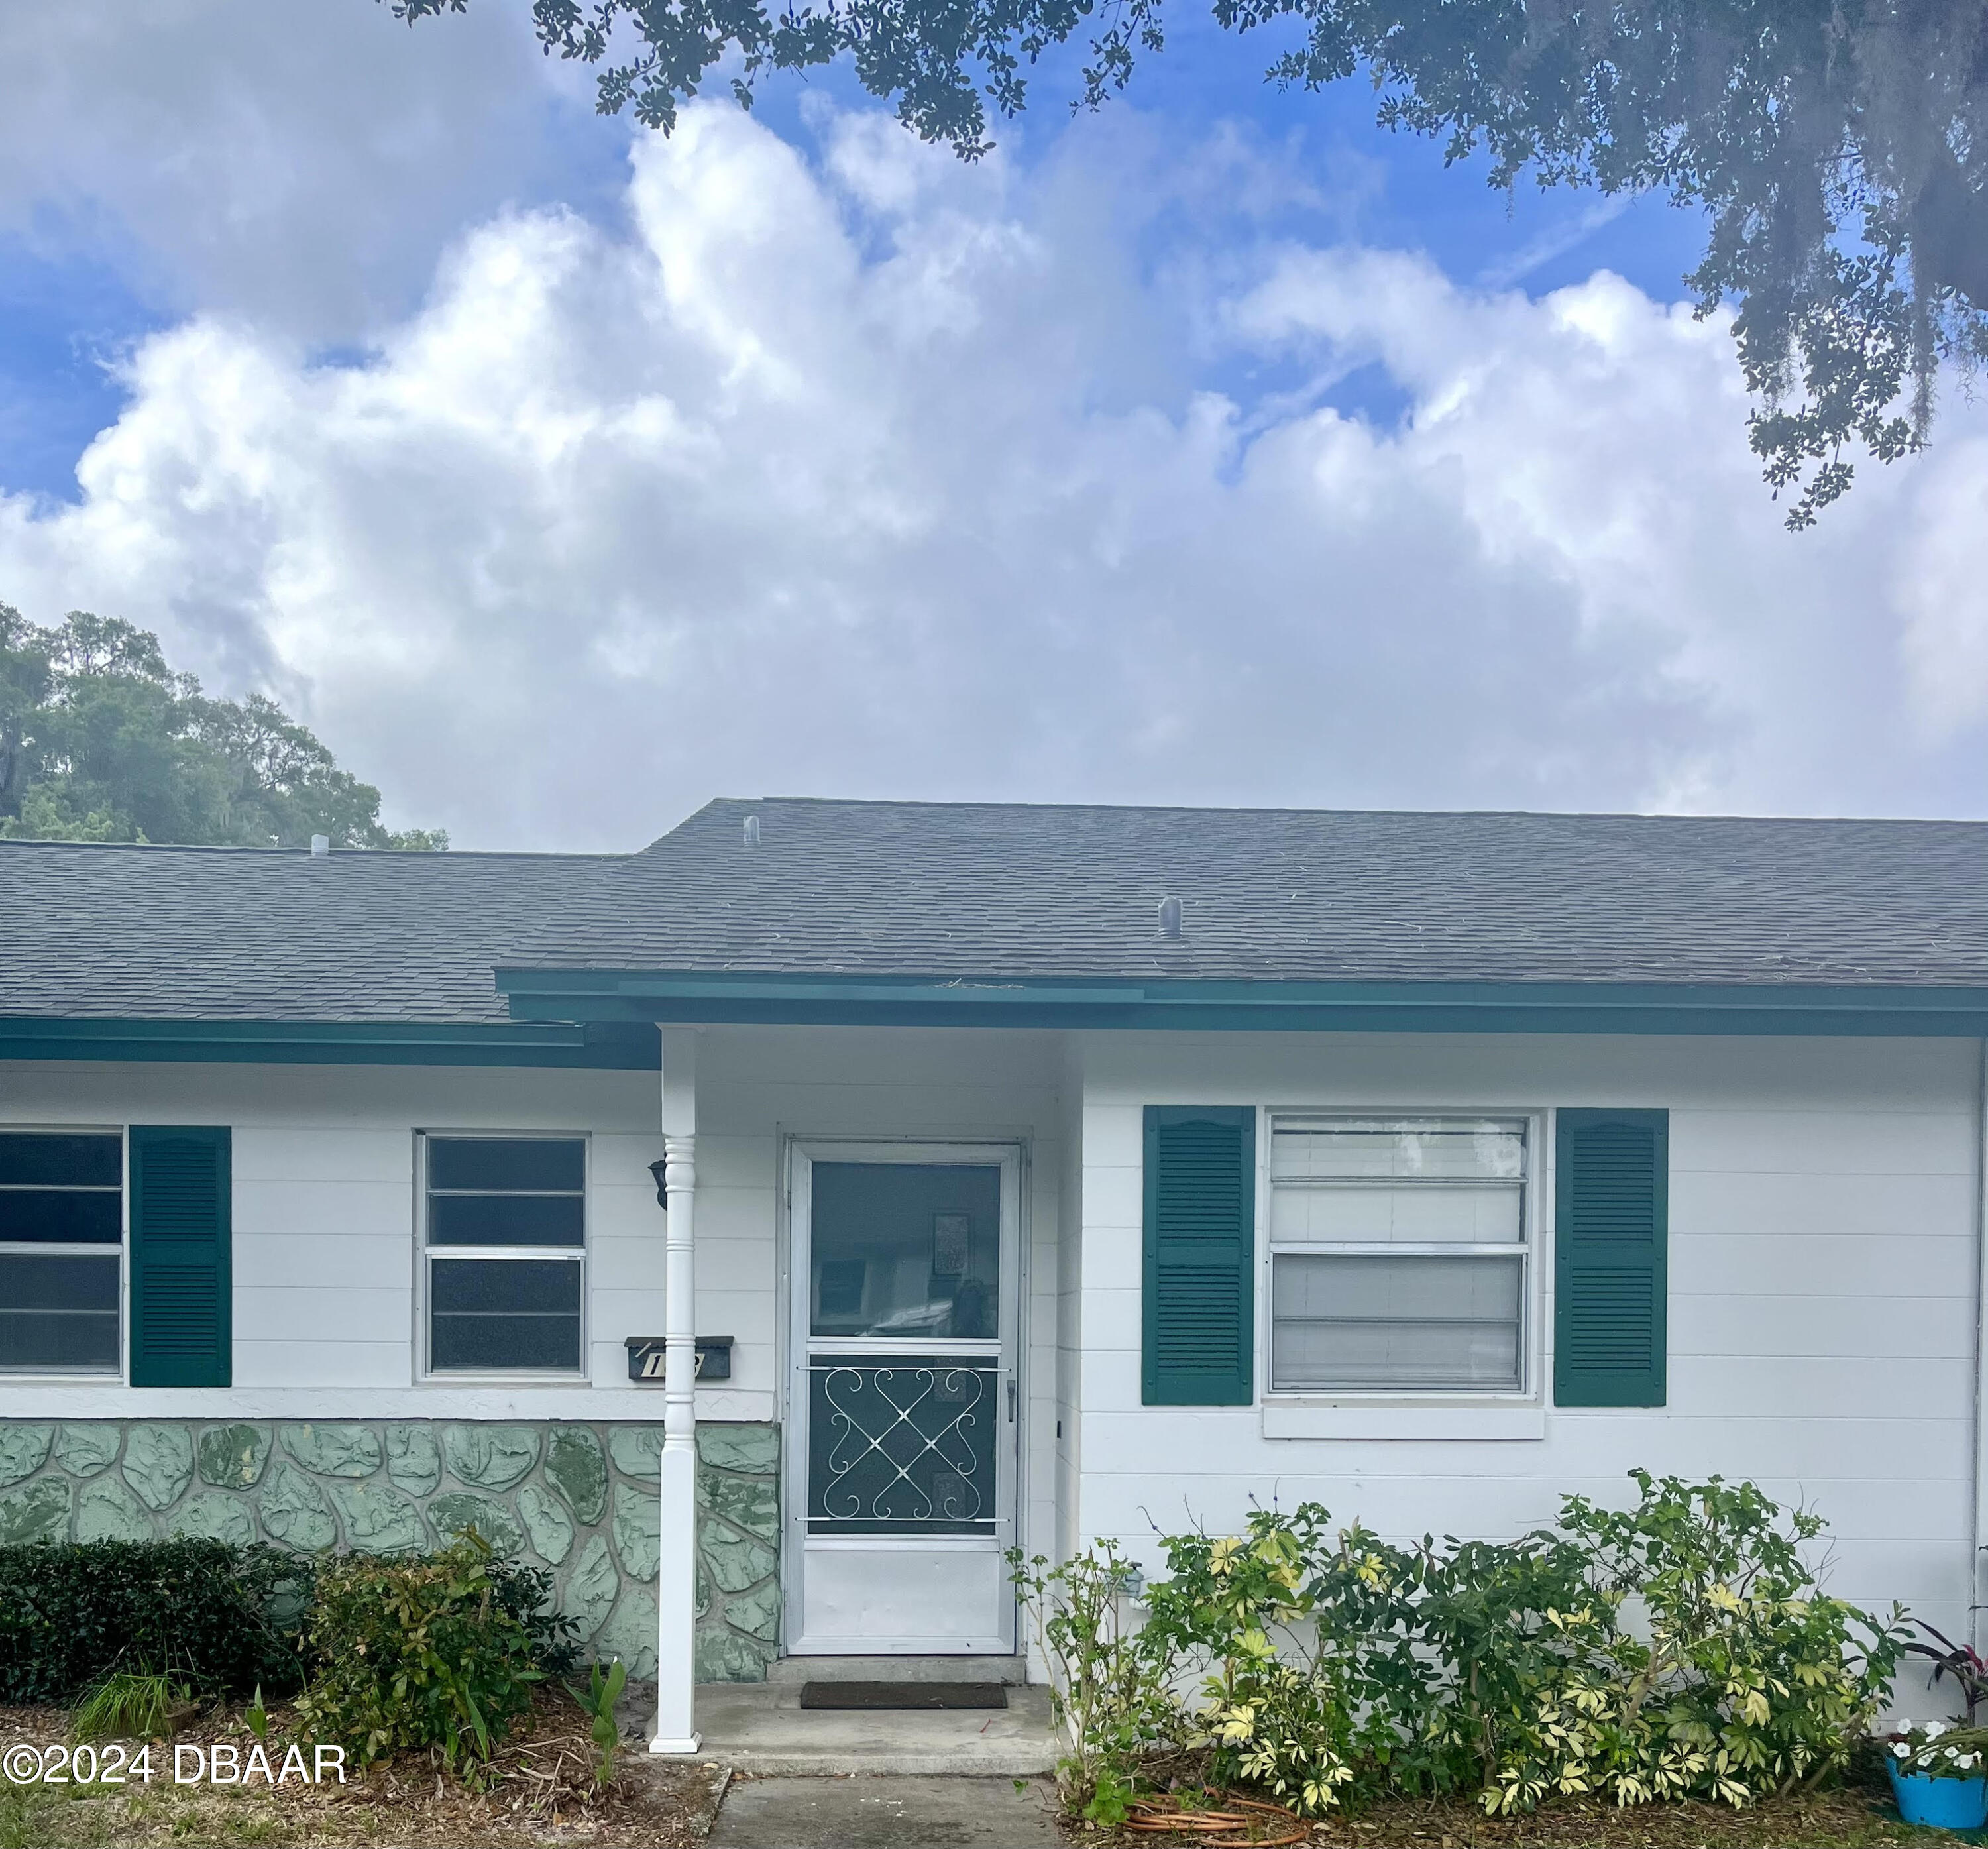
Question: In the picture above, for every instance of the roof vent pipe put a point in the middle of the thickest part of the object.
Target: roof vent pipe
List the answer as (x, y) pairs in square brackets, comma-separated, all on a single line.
[(751, 831), (1170, 917), (320, 847)]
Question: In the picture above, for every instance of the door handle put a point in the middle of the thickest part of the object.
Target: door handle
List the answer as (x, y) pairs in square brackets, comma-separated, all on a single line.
[(1011, 1399)]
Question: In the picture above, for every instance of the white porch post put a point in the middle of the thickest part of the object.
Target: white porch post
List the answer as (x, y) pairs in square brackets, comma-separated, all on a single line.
[(676, 1572)]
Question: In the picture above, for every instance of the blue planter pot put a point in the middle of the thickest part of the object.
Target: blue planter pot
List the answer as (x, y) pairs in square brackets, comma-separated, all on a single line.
[(1941, 1803)]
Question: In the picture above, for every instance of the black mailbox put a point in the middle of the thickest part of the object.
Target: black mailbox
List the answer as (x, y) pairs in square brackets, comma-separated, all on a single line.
[(646, 1352)]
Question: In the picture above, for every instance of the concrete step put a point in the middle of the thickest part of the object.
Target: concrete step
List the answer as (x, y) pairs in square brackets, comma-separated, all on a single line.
[(761, 1730), (791, 1672)]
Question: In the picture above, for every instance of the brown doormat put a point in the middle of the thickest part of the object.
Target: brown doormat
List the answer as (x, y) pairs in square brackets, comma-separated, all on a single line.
[(903, 1695)]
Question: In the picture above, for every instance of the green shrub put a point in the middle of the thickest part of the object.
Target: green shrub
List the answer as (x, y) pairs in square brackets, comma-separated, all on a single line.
[(439, 1651), (1108, 1683), (1501, 1625), (1750, 1680), (205, 1613), (1681, 1648), (1297, 1637)]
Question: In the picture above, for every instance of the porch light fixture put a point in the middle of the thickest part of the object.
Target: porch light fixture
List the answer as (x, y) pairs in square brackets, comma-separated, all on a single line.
[(658, 1169)]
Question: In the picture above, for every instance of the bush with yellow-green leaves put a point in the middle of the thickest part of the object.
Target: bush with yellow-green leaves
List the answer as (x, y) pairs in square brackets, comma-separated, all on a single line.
[(1681, 1648)]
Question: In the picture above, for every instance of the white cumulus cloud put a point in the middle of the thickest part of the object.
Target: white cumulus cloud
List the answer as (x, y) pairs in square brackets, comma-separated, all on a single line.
[(878, 475), (296, 160)]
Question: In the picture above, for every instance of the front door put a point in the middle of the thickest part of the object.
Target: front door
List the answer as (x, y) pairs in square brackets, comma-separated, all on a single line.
[(902, 1401)]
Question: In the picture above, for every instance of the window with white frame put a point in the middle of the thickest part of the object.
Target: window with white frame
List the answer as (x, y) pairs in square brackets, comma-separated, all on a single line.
[(505, 1223), (62, 1241), (1399, 1258)]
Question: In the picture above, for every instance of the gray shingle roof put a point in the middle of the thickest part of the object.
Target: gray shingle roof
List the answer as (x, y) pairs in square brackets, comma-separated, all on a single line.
[(1001, 889), (246, 934)]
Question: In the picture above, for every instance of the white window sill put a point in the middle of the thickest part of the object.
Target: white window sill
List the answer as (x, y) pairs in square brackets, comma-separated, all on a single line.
[(1308, 1417), (75, 1378), (467, 1379)]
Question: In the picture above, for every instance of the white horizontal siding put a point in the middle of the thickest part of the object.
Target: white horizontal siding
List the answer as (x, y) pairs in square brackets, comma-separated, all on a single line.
[(732, 1263), (1742, 1204), (1902, 1328), (1822, 1309), (310, 1366), (313, 1313), (1886, 1438), (1113, 1319), (1586, 1454), (319, 1209), (1806, 1387), (1754, 1078), (304, 1261), (1790, 1145), (1799, 1264), (326, 1218)]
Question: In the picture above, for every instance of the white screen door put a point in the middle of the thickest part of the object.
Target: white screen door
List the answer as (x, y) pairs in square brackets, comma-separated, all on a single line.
[(901, 1398)]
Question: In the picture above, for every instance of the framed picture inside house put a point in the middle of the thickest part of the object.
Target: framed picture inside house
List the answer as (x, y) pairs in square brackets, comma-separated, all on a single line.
[(952, 1233)]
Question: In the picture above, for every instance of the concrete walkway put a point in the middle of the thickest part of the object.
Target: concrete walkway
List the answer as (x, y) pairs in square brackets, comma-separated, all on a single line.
[(886, 1814)]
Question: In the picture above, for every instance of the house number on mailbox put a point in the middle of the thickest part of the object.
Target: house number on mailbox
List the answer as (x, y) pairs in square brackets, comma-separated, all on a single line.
[(645, 1357)]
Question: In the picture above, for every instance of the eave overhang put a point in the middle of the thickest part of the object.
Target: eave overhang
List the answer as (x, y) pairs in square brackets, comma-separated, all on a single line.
[(607, 1045), (605, 1019), (745, 998)]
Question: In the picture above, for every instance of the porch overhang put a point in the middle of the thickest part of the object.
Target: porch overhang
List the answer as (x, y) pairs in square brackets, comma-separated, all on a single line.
[(689, 997)]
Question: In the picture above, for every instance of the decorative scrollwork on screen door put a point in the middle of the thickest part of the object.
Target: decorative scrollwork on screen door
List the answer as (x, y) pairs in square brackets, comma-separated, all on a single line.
[(902, 1446)]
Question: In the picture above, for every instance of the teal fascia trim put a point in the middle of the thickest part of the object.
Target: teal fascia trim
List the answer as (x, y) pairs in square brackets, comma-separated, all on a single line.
[(701, 996), (592, 1046)]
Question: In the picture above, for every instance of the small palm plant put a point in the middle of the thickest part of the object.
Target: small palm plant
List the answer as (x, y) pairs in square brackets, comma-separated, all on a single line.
[(598, 1698)]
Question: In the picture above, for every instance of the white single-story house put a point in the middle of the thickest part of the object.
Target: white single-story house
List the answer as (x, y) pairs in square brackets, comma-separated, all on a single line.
[(765, 1230)]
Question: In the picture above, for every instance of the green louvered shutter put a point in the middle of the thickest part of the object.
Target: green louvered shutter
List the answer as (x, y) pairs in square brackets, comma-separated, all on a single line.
[(1199, 1285), (1612, 1208), (181, 1330)]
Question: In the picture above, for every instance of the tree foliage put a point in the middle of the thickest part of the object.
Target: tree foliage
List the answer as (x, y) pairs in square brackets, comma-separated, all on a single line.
[(101, 741), (1838, 148)]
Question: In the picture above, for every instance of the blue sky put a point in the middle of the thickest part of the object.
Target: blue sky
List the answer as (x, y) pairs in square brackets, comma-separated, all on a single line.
[(1220, 447), (66, 314)]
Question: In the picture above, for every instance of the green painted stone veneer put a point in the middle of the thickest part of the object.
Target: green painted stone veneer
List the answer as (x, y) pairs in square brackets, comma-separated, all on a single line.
[(578, 1499)]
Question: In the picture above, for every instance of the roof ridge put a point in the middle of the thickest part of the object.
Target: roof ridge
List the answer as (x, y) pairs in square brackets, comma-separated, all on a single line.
[(1204, 809)]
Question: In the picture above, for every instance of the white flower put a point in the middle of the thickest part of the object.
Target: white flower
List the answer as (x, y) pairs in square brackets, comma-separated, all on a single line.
[(1935, 1728), (1902, 1747)]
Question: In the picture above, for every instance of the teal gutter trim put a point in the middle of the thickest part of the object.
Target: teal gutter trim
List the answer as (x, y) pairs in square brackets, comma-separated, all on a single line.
[(591, 1046), (747, 997)]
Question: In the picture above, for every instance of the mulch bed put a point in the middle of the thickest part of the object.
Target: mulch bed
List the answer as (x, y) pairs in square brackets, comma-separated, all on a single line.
[(541, 1794), (1833, 1817), (1846, 1819)]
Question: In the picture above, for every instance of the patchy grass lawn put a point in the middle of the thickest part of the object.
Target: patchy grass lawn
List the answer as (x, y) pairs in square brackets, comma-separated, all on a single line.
[(541, 1795)]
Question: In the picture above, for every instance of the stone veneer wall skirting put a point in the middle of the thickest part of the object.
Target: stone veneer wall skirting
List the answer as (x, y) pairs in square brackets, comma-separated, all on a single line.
[(578, 1498)]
